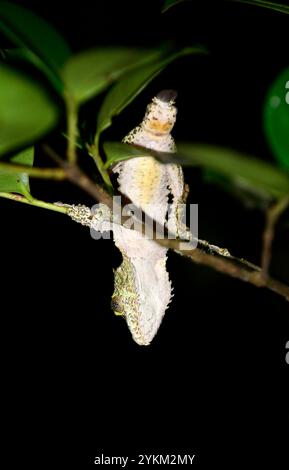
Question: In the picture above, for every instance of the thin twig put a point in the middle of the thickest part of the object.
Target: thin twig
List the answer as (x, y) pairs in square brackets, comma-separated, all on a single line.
[(272, 216), (43, 173), (34, 202), (231, 268)]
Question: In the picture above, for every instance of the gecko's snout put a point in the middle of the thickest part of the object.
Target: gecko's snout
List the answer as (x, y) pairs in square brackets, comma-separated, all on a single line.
[(167, 96)]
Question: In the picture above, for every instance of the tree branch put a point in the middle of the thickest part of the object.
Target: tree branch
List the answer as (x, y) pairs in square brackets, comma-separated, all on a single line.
[(232, 266), (76, 176)]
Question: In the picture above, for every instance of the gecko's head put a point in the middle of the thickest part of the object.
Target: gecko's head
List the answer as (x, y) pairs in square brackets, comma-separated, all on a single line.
[(161, 113)]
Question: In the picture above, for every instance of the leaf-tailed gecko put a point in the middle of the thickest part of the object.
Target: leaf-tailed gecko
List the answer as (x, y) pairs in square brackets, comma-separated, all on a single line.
[(142, 289)]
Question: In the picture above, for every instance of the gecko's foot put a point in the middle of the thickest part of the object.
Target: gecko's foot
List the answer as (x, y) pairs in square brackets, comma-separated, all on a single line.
[(79, 213), (180, 230), (185, 235), (214, 249)]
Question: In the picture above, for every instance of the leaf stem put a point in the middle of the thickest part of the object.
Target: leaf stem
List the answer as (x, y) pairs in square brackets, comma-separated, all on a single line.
[(34, 202), (94, 153), (45, 173)]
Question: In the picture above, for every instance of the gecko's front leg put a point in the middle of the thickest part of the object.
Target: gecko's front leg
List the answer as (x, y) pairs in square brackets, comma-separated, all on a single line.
[(179, 193)]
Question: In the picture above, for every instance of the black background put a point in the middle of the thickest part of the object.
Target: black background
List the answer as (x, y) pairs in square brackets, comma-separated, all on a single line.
[(213, 382)]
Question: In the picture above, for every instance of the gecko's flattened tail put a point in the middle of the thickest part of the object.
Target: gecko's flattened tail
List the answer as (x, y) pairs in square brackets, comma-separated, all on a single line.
[(141, 295)]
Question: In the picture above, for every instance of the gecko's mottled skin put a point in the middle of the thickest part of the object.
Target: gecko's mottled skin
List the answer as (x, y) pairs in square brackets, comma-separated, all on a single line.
[(142, 289)]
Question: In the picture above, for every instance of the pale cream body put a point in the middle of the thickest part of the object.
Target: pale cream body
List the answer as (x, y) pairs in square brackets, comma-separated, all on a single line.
[(142, 287)]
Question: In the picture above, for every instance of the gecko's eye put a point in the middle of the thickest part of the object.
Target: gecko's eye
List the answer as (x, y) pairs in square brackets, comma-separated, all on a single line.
[(116, 306), (167, 96)]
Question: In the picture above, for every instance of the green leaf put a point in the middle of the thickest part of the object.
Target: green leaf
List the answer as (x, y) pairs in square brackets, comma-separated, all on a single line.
[(14, 54), (117, 152), (88, 73), (260, 3), (27, 30), (276, 118), (17, 183), (246, 171), (270, 5), (170, 3), (19, 55), (26, 111), (132, 84), (249, 195)]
